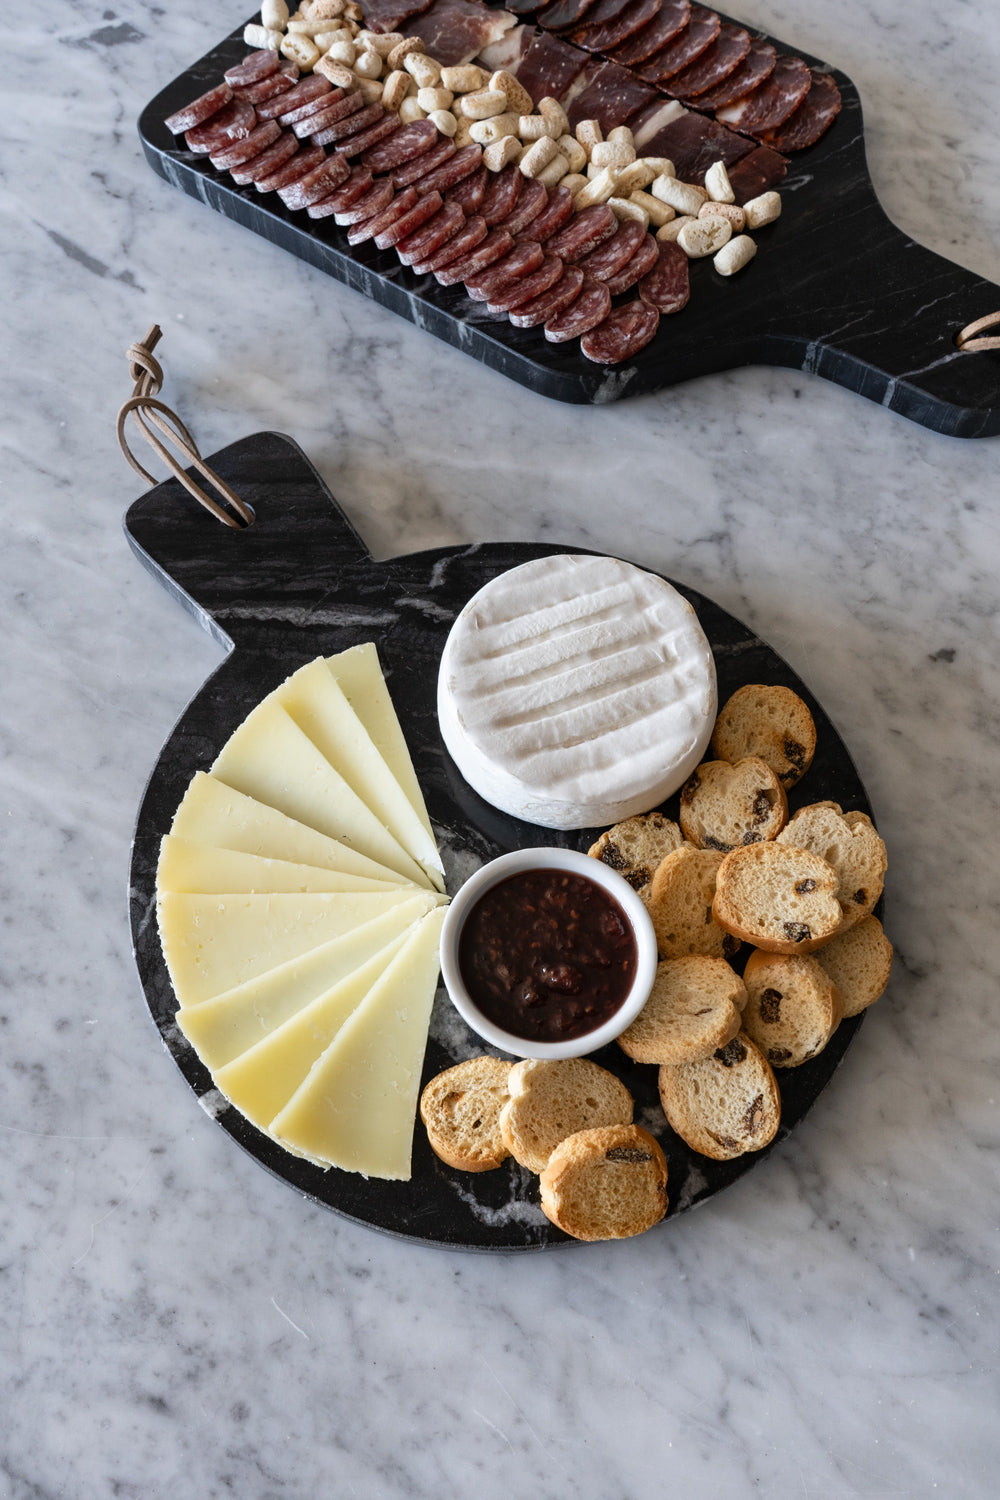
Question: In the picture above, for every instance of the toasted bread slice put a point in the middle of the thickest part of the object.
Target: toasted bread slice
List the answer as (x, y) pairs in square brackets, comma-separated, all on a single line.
[(793, 1006), (635, 847), (605, 1184), (461, 1111), (693, 1009), (551, 1099), (771, 722), (726, 1105), (679, 901), (848, 842), (724, 806), (859, 961), (777, 897)]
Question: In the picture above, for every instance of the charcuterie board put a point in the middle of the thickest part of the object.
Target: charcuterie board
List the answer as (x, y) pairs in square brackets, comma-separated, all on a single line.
[(299, 583), (837, 289)]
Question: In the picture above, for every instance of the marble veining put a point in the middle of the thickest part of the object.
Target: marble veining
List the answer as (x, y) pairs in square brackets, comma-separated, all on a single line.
[(174, 1320)]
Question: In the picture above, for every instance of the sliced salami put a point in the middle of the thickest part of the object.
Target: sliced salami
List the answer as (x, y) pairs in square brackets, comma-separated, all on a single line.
[(316, 109), (253, 68), (404, 176), (367, 229), (611, 22), (623, 333), (324, 128), (304, 92), (315, 184), (523, 258), (501, 195), (284, 148), (532, 199), (555, 300), (715, 63), (233, 122), (199, 110), (584, 232), (378, 196), (556, 213), (408, 142), (773, 102), (524, 287), (470, 192), (668, 285), (589, 307), (495, 244), (306, 159), (353, 121), (354, 188), (811, 119), (423, 243), (465, 239), (238, 153), (467, 159), (673, 16), (269, 88), (369, 133), (425, 208), (641, 263), (615, 253), (755, 67), (700, 32)]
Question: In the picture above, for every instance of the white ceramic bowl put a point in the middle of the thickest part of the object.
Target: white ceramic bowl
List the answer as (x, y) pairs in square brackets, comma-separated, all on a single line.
[(578, 864)]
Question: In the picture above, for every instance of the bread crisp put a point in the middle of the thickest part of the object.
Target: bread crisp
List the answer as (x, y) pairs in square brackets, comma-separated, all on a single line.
[(636, 846), (551, 1099), (725, 1106), (859, 961), (723, 806), (793, 1007), (770, 722), (461, 1111), (777, 897), (679, 902), (848, 842), (605, 1184), (693, 1009)]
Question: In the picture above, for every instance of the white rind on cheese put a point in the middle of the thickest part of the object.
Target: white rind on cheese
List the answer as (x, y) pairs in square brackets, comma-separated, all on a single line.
[(356, 1110), (201, 870), (576, 691)]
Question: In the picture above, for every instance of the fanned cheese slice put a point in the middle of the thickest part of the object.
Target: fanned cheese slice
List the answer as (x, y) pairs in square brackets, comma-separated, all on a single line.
[(318, 705), (212, 943), (270, 758), (356, 1109), (213, 813), (261, 1081), (229, 1024), (199, 869)]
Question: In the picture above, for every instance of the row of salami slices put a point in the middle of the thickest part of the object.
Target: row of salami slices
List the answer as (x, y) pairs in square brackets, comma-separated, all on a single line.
[(516, 245), (625, 55)]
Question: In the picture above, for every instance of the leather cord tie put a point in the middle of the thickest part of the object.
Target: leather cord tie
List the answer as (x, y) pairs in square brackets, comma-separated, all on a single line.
[(150, 414), (970, 343)]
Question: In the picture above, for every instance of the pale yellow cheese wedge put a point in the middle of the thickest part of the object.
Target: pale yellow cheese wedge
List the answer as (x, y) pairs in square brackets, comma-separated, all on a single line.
[(261, 1081), (270, 758), (317, 704), (198, 868), (212, 943), (216, 814), (357, 1108)]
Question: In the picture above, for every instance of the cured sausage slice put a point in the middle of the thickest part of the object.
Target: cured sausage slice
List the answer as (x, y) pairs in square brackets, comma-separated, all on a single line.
[(490, 249), (584, 232), (470, 192), (642, 261), (319, 127), (520, 260), (615, 253), (350, 120), (755, 67), (315, 110), (715, 63), (425, 208), (199, 110), (523, 288), (253, 68), (233, 122), (404, 176), (408, 142), (558, 297), (269, 88), (466, 238), (315, 184), (699, 33), (238, 153), (770, 105), (378, 196), (501, 195), (269, 161), (306, 159), (557, 212), (531, 201), (368, 132), (466, 160), (423, 243), (811, 119), (672, 18), (343, 197), (668, 285), (367, 229), (589, 307), (622, 334), (304, 92)]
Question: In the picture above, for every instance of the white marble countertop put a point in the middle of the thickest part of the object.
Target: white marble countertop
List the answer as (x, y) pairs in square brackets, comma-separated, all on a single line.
[(174, 1321)]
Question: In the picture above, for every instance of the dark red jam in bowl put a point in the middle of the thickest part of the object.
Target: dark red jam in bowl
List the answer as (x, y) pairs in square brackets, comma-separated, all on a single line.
[(547, 955)]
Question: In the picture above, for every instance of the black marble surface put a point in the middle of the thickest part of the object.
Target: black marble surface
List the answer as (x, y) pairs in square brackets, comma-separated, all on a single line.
[(298, 583), (836, 288)]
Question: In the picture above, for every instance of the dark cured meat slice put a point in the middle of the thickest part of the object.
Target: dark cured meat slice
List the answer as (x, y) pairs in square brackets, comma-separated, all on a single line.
[(238, 153), (699, 33), (466, 160), (199, 110), (672, 18), (501, 195), (320, 128), (526, 287), (584, 232), (589, 307), (408, 142), (314, 111), (254, 67), (612, 95), (563, 15), (647, 124), (470, 192), (522, 7), (533, 198), (611, 257), (755, 67), (425, 208), (367, 229), (355, 144), (316, 184), (348, 193), (455, 31), (761, 170), (389, 15), (622, 335), (495, 244), (549, 66), (557, 212), (602, 36), (520, 260), (350, 125), (640, 265), (269, 161), (423, 243), (668, 285), (693, 142), (378, 196), (466, 238), (558, 297), (304, 92), (269, 88), (233, 122), (715, 63), (770, 105), (814, 116), (404, 176), (306, 159)]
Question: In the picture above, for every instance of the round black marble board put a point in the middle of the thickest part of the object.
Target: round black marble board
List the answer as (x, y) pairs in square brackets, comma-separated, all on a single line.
[(299, 583)]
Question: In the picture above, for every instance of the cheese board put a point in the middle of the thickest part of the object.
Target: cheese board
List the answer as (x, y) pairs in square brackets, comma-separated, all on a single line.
[(299, 583), (837, 289)]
